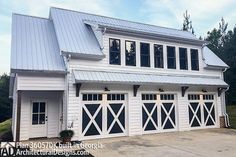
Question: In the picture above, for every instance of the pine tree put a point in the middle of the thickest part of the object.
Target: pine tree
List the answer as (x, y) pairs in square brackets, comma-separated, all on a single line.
[(187, 24)]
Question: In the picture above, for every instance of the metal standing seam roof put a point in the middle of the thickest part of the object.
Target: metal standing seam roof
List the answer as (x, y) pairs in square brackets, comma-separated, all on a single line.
[(74, 36), (37, 42), (34, 45), (211, 59), (131, 78)]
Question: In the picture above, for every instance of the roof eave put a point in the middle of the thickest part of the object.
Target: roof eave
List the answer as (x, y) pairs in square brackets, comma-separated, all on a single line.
[(216, 67), (147, 83), (63, 72), (153, 36), (84, 55)]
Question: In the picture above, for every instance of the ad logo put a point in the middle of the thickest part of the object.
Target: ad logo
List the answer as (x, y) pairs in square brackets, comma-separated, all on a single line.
[(7, 149)]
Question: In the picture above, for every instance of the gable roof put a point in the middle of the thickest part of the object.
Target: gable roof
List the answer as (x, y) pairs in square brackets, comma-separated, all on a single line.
[(212, 60), (34, 45), (75, 36)]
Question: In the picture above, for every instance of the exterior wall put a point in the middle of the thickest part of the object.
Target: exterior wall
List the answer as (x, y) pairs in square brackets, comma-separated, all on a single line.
[(103, 65), (40, 82), (134, 105), (54, 100)]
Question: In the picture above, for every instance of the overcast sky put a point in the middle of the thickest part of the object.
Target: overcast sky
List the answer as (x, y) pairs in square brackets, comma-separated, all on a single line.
[(205, 14)]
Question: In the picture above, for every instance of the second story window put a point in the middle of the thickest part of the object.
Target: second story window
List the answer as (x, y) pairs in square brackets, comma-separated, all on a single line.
[(194, 59), (171, 57), (158, 56), (183, 58), (114, 46), (145, 54), (130, 53)]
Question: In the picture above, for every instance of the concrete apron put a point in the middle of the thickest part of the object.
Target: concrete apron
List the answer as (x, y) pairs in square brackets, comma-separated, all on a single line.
[(199, 143)]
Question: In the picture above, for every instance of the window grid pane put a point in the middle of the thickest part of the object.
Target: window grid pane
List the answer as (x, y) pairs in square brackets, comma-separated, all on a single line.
[(171, 57), (183, 59), (158, 56), (130, 53), (145, 54), (194, 59), (114, 45)]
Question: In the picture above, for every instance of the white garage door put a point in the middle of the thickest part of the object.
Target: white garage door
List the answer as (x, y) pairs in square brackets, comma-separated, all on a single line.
[(158, 113), (103, 115), (202, 110)]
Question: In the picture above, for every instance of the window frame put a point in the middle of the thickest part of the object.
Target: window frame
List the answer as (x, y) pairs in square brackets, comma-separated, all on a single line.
[(174, 58), (134, 53), (38, 113), (194, 60), (185, 59), (114, 51), (161, 57), (146, 55)]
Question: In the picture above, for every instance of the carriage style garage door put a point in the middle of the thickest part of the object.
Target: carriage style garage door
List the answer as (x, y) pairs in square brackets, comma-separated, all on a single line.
[(202, 110), (103, 115), (158, 113)]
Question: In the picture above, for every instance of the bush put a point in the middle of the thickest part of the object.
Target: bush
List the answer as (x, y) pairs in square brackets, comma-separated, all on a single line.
[(66, 133)]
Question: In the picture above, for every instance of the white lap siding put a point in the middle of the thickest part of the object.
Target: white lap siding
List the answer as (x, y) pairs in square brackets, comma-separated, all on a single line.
[(134, 105), (53, 100), (41, 82)]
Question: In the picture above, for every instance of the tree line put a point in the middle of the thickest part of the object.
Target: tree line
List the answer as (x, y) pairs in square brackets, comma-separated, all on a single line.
[(223, 43)]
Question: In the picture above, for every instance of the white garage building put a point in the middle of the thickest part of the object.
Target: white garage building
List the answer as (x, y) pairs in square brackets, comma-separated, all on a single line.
[(105, 77)]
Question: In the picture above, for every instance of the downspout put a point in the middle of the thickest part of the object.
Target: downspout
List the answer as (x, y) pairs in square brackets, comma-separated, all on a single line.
[(226, 116), (224, 111)]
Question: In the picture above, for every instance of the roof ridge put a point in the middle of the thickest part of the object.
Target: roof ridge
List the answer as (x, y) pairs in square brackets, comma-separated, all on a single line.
[(120, 19), (18, 14)]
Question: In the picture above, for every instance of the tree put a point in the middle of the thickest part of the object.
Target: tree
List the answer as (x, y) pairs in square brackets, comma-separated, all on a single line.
[(223, 43), (229, 56), (5, 102), (187, 24), (217, 37)]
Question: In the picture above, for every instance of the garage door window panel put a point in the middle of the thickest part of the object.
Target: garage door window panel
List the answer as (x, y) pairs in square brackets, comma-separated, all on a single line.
[(150, 121), (168, 115), (92, 113)]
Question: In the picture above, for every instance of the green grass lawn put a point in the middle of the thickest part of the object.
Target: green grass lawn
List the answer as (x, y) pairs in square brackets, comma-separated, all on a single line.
[(231, 110), (5, 126)]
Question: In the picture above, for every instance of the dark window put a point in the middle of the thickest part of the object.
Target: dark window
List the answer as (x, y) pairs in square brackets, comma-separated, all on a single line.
[(183, 58), (115, 51), (194, 59), (145, 54), (130, 53), (115, 97), (171, 57), (92, 97), (158, 56)]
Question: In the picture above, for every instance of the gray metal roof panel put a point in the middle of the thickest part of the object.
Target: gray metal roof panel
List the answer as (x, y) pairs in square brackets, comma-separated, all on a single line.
[(132, 78), (34, 45), (211, 59), (72, 34), (75, 36)]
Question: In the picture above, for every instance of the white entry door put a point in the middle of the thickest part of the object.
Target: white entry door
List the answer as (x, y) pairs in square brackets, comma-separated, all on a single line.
[(38, 119)]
